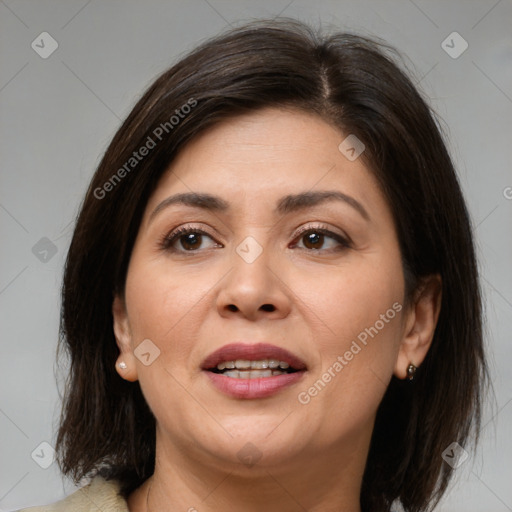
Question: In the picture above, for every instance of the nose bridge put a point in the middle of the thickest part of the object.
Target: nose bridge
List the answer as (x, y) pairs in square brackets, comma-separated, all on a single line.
[(251, 265), (250, 250), (252, 287)]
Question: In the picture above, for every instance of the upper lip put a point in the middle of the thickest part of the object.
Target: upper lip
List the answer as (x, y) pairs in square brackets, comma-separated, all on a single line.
[(252, 352)]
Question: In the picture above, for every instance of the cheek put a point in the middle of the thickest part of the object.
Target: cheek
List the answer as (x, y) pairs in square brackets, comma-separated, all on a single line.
[(159, 298), (350, 299), (357, 339), (163, 306)]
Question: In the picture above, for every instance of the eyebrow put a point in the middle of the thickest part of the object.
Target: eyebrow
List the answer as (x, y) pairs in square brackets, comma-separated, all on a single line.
[(292, 203), (195, 200), (287, 204)]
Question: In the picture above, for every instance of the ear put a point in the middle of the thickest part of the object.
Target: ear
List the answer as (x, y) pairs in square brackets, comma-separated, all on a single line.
[(123, 336), (419, 325)]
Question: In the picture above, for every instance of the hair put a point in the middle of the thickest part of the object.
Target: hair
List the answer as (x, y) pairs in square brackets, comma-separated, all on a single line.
[(355, 84)]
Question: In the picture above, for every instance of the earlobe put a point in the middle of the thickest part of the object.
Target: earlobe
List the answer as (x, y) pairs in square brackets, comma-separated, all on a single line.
[(126, 365), (128, 371), (420, 325)]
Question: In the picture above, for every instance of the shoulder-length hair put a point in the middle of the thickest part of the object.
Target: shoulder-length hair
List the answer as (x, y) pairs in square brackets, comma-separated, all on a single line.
[(106, 426)]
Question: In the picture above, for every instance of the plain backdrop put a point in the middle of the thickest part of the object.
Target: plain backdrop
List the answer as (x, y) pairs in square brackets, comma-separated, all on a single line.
[(58, 114)]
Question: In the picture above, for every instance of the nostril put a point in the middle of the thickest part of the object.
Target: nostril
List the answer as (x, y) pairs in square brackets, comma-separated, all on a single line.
[(264, 307)]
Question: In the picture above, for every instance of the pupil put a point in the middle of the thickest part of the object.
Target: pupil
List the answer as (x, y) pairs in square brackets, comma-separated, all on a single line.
[(191, 240), (314, 238)]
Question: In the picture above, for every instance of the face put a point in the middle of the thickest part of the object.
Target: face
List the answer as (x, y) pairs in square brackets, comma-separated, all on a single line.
[(296, 250)]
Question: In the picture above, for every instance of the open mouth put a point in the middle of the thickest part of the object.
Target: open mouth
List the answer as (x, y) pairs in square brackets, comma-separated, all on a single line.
[(253, 370), (245, 369)]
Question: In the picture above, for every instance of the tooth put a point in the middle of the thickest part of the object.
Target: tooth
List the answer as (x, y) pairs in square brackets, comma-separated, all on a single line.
[(242, 363), (260, 373), (283, 365), (221, 366), (273, 363), (252, 374), (230, 364), (259, 365)]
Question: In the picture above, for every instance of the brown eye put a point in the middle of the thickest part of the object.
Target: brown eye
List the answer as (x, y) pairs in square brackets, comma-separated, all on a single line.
[(317, 239), (191, 241), (313, 240), (188, 240)]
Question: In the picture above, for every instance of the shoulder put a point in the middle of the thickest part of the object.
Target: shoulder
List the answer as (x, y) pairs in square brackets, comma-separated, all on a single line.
[(99, 494)]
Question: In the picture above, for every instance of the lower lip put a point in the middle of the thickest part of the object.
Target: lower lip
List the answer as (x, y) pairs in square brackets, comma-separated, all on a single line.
[(253, 388)]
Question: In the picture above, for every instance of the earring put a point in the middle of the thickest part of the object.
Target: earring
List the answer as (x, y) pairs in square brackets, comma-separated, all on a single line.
[(411, 371), (122, 365)]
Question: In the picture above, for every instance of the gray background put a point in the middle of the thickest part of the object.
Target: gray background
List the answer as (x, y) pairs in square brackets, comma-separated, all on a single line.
[(59, 113)]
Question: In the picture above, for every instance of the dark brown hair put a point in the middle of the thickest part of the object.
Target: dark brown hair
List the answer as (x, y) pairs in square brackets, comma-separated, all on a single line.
[(354, 83)]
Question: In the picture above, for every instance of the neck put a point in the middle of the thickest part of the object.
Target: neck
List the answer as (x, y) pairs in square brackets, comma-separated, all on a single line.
[(328, 483)]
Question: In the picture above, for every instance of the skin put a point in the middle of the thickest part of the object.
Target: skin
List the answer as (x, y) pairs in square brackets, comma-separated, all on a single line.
[(323, 296)]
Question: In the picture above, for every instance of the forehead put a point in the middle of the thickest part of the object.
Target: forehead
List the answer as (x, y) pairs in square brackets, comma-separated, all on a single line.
[(263, 155)]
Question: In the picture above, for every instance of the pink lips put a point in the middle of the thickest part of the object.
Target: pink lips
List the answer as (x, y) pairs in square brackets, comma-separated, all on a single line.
[(253, 388)]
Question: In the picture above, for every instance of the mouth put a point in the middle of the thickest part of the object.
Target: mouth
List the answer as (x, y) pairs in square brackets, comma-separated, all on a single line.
[(245, 369), (252, 371), (239, 360)]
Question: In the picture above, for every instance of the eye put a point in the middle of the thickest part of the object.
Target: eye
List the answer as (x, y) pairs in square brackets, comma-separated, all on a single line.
[(320, 238), (187, 240)]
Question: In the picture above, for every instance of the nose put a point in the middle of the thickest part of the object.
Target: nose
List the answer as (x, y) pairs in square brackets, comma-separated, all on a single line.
[(254, 290)]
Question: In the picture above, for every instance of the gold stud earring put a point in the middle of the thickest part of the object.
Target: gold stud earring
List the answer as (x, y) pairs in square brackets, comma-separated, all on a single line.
[(411, 371)]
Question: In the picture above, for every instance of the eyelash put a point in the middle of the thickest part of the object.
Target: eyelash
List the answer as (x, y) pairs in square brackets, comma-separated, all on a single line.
[(168, 240), (323, 230)]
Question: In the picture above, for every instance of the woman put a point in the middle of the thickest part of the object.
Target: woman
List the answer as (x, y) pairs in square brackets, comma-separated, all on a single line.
[(271, 298)]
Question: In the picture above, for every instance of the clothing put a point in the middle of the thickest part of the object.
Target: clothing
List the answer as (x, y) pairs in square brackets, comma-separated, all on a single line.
[(99, 495)]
